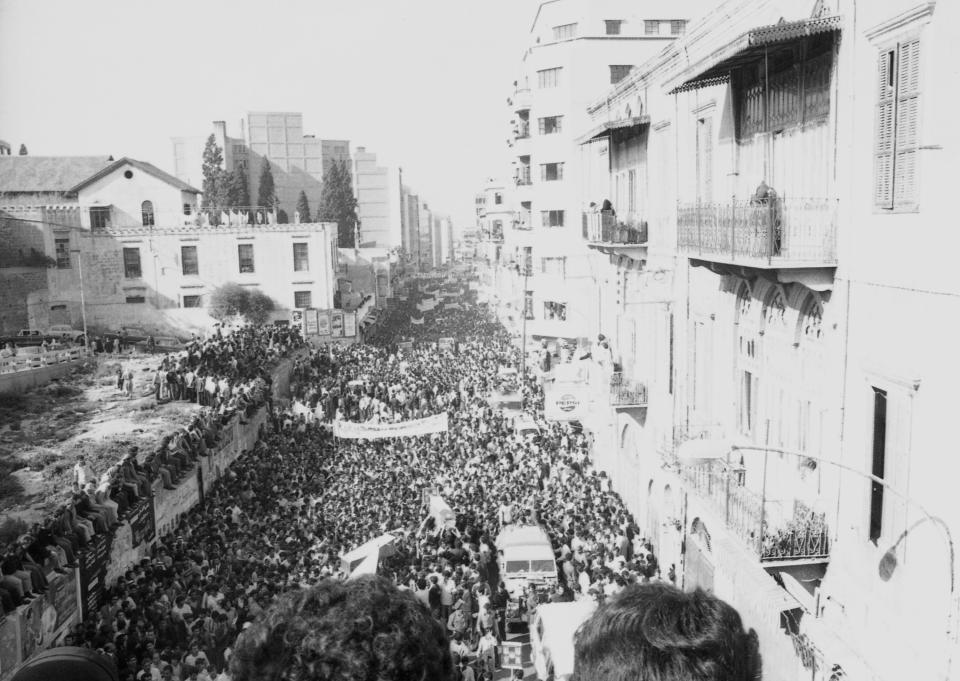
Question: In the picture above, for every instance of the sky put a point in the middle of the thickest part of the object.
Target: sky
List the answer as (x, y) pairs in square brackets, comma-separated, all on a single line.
[(423, 83)]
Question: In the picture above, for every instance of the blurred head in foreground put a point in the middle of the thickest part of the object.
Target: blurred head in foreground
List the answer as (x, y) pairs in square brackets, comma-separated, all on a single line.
[(656, 632), (362, 630)]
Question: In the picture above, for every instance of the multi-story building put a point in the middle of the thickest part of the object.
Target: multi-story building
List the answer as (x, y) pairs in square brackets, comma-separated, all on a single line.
[(779, 444), (425, 236), (378, 190), (298, 161), (411, 232), (575, 51), (123, 245)]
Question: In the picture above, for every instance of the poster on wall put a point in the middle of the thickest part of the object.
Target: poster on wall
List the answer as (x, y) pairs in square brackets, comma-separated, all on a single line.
[(62, 597), (93, 573), (296, 319), (143, 523), (323, 323), (310, 322), (9, 645), (349, 324), (31, 631), (336, 324), (565, 401)]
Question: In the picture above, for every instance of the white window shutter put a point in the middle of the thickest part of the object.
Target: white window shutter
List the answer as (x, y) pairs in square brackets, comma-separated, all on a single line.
[(907, 135), (884, 135)]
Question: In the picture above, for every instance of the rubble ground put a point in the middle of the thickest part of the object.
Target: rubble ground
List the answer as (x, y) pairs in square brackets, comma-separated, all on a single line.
[(43, 431)]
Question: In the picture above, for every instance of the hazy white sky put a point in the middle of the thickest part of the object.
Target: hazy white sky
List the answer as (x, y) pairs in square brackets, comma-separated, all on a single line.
[(423, 83)]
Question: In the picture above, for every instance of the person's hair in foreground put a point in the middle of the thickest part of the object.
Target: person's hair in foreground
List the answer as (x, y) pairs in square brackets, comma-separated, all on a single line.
[(656, 632), (362, 630)]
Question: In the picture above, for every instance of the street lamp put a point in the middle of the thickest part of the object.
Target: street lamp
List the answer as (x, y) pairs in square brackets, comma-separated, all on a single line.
[(83, 304)]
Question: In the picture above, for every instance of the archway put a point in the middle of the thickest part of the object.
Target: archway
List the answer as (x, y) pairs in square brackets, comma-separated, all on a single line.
[(698, 570)]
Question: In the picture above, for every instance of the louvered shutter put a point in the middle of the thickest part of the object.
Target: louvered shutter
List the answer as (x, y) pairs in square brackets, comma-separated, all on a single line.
[(883, 140), (907, 137)]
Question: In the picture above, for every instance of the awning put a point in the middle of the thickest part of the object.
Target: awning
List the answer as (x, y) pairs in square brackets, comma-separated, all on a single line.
[(748, 47), (609, 126), (704, 449)]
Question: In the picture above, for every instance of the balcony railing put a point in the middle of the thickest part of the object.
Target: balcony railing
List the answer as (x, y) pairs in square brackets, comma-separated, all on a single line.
[(522, 131), (522, 221), (523, 176), (603, 228), (625, 392), (805, 537), (776, 233)]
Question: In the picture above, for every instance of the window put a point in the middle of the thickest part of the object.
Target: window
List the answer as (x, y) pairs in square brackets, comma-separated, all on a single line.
[(187, 209), (748, 402), (554, 265), (879, 462), (565, 32), (552, 310), (146, 213), (619, 71), (99, 218), (551, 171), (550, 125), (678, 27), (245, 256), (551, 218), (651, 27), (496, 229), (131, 263), (302, 299), (548, 78), (613, 26), (498, 198), (705, 159), (188, 260), (136, 299), (62, 247), (527, 261), (528, 304), (631, 190), (897, 120), (191, 301), (301, 259)]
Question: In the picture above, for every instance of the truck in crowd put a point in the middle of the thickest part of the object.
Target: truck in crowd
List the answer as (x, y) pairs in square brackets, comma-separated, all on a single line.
[(527, 566)]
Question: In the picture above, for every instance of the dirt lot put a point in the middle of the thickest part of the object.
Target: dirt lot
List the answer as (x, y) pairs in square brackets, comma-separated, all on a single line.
[(42, 433)]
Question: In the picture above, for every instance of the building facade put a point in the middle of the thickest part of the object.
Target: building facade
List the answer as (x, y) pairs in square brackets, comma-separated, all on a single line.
[(378, 190)]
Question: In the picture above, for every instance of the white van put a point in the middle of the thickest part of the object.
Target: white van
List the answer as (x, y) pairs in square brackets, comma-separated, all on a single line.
[(526, 561), (551, 637)]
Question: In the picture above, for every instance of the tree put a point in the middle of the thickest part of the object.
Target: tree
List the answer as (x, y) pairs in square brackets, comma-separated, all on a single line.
[(238, 192), (338, 204), (23, 149), (303, 207), (231, 300), (214, 176), (266, 194)]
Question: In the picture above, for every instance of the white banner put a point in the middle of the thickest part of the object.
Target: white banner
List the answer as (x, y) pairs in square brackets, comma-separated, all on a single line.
[(377, 431), (565, 401), (416, 322)]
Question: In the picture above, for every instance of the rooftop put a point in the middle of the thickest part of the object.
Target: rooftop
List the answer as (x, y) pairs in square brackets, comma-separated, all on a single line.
[(47, 173)]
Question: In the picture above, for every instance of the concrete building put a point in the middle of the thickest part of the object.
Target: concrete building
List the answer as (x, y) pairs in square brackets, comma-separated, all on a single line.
[(783, 389), (127, 249), (425, 254), (575, 51), (378, 189), (297, 160)]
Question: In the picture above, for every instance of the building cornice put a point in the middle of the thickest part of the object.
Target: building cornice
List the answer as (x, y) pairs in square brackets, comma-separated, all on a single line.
[(918, 14)]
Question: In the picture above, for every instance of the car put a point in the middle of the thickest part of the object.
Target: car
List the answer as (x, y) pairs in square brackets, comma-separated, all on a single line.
[(162, 344), (128, 335), (61, 331)]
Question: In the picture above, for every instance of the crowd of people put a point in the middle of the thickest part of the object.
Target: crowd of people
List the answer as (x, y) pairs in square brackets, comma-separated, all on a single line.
[(267, 544)]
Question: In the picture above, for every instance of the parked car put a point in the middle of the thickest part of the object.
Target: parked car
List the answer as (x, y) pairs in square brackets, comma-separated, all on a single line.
[(128, 335), (161, 344), (61, 331)]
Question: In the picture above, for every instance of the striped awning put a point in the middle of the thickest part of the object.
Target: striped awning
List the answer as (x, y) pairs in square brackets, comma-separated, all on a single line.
[(715, 68), (607, 127)]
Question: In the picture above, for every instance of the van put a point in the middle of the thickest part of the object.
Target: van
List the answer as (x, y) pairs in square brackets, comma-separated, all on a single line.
[(551, 637), (527, 561)]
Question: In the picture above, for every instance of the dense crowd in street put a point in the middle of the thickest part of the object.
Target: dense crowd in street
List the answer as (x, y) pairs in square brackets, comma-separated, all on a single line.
[(286, 512)]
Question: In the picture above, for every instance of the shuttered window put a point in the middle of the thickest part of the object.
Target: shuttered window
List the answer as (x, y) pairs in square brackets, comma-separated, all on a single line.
[(897, 122)]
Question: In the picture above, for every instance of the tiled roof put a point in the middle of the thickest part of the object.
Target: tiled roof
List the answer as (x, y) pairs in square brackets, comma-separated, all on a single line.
[(47, 173), (142, 165)]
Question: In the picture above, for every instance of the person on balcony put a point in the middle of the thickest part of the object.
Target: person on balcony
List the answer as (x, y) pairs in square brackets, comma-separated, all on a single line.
[(607, 207), (767, 196)]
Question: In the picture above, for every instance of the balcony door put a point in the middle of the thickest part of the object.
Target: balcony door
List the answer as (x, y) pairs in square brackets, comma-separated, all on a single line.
[(704, 160)]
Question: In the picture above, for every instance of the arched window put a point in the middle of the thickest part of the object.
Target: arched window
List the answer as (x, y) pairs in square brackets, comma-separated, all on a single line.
[(810, 324), (774, 312), (746, 325), (146, 213)]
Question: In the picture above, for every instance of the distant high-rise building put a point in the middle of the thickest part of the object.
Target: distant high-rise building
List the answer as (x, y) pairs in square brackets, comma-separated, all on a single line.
[(377, 189)]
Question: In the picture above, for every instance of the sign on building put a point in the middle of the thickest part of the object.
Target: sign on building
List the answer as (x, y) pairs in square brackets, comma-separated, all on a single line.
[(336, 324), (310, 322), (349, 324), (565, 401), (323, 323)]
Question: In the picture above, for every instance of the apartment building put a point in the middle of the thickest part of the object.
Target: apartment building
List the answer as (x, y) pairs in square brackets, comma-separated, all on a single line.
[(377, 188), (774, 430), (576, 49)]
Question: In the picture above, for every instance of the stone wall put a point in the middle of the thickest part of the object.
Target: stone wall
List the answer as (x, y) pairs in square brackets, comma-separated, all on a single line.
[(16, 285)]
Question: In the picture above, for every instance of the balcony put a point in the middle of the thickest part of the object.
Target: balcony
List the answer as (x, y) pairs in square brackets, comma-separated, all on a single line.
[(521, 99), (522, 221), (780, 234), (626, 393), (610, 234), (802, 536)]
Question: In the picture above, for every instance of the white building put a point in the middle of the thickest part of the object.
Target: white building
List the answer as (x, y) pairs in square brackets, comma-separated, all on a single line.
[(378, 189)]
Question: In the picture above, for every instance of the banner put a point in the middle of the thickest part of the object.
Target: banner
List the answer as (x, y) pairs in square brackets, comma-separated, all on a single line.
[(336, 324), (93, 573), (565, 401), (143, 523), (406, 346), (447, 344), (323, 323), (349, 324), (376, 431), (452, 306), (170, 504), (62, 597), (416, 322), (310, 322), (30, 629)]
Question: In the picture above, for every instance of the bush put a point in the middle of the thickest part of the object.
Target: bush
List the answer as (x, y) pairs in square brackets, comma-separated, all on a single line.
[(11, 529), (231, 300)]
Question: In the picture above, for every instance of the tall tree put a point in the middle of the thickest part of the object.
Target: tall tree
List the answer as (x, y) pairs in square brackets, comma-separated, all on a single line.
[(266, 193), (214, 176), (338, 204), (23, 149), (238, 192), (303, 207)]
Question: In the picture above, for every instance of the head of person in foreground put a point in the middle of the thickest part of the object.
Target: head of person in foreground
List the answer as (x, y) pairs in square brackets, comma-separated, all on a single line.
[(657, 632), (362, 630)]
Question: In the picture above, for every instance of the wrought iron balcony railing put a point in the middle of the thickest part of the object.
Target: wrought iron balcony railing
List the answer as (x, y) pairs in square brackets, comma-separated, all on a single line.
[(625, 392), (804, 538), (603, 227), (523, 176), (772, 233)]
